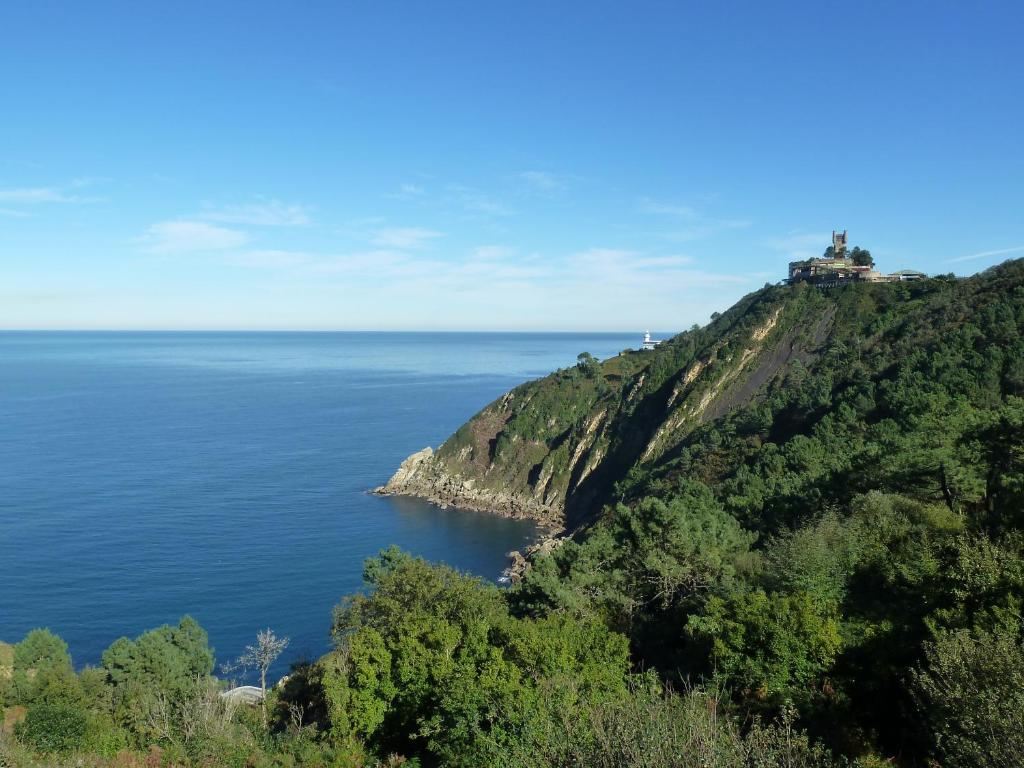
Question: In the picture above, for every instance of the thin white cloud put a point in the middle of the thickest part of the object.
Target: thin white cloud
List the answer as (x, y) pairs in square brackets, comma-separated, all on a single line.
[(477, 203), (190, 237), (986, 254), (664, 262), (269, 259), (647, 205), (701, 231), (404, 237), (646, 289), (543, 180), (492, 252), (263, 213), (45, 195), (486, 206), (34, 195), (695, 225), (407, 191), (624, 267), (374, 265), (88, 181), (800, 245)]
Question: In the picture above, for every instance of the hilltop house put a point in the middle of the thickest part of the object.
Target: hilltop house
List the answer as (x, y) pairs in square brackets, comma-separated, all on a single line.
[(838, 267)]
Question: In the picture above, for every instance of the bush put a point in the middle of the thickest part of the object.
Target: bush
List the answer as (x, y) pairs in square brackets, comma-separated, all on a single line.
[(54, 727), (972, 695)]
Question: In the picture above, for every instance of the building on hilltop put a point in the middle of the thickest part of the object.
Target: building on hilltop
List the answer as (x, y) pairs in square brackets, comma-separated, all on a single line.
[(837, 267), (904, 275), (648, 342), (839, 243)]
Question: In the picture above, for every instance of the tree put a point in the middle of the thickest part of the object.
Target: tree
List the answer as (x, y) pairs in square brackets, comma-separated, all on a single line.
[(862, 257), (587, 363), (260, 656), (163, 663), (768, 644), (972, 694), (430, 660), (42, 671), (166, 658), (41, 648)]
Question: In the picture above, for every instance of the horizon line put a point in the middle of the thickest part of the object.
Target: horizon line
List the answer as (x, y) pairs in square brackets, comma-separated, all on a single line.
[(316, 330)]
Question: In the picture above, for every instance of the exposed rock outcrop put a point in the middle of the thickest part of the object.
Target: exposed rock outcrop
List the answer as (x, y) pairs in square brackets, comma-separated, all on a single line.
[(423, 476), (520, 561)]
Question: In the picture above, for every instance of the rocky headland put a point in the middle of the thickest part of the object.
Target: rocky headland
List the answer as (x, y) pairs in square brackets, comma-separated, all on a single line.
[(423, 476)]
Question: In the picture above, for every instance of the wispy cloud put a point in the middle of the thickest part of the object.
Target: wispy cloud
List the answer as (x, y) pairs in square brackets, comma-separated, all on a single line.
[(262, 213), (190, 237), (404, 237), (492, 252), (22, 197), (501, 282), (986, 254), (799, 245), (621, 267), (702, 230), (475, 202), (35, 195), (269, 259), (688, 222), (544, 181), (379, 264), (407, 191), (661, 208)]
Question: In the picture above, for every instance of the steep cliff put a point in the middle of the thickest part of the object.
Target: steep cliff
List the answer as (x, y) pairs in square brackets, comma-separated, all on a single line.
[(557, 449)]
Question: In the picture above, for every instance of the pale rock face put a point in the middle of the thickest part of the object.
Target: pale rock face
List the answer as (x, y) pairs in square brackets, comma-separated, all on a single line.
[(408, 469), (422, 475)]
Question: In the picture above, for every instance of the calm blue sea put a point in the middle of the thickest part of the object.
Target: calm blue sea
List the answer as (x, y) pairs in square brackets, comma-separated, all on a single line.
[(148, 475)]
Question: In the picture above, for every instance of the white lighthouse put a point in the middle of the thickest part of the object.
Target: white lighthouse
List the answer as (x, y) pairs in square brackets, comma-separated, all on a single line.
[(649, 343)]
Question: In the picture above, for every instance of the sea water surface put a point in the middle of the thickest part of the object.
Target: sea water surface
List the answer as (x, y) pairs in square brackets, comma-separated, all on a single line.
[(144, 476)]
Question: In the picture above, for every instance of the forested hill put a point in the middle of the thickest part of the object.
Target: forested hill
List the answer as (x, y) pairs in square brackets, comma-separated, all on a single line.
[(794, 398)]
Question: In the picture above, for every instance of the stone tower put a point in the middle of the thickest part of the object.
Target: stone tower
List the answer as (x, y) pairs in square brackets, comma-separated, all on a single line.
[(839, 243)]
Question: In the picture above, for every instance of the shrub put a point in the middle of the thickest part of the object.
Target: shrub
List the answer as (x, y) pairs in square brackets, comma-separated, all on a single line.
[(54, 727), (971, 692)]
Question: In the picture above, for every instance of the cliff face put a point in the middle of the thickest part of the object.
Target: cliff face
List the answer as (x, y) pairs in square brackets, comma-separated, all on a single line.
[(427, 476), (552, 448), (557, 449)]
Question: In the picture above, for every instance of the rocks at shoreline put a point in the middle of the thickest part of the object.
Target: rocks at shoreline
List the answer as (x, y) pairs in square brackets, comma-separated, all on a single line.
[(421, 475), (520, 561)]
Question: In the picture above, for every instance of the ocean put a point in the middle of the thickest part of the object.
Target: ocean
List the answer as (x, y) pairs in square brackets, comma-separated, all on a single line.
[(144, 476)]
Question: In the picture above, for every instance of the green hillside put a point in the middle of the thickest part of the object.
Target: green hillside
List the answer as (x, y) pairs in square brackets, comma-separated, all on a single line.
[(793, 398)]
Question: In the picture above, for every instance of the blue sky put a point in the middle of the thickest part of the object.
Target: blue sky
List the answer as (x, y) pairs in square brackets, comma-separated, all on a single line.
[(489, 165)]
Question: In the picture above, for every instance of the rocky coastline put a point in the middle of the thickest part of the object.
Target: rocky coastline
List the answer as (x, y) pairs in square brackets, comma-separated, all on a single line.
[(422, 476)]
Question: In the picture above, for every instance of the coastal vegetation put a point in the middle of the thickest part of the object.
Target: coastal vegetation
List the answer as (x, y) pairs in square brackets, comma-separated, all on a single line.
[(793, 537)]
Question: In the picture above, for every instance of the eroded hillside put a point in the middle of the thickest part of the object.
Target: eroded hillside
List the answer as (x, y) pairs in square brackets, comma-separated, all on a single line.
[(559, 448), (549, 448)]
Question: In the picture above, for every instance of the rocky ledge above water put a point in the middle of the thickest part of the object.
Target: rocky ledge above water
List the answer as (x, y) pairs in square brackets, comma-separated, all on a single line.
[(423, 476)]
